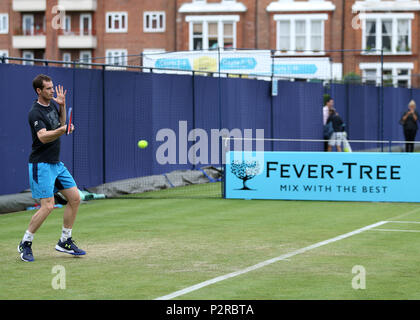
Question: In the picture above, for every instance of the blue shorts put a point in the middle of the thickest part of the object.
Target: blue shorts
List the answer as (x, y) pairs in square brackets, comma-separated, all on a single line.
[(47, 178)]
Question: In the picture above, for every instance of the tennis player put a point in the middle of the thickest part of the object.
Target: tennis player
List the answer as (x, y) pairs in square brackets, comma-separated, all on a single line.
[(47, 174)]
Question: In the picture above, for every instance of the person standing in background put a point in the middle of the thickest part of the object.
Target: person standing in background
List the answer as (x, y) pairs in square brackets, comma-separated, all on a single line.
[(337, 138), (329, 104), (410, 127)]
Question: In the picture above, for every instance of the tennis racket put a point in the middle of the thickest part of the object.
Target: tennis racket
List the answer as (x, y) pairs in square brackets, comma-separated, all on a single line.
[(70, 120)]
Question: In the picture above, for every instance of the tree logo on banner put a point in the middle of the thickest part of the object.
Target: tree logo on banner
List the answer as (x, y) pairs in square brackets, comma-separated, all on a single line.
[(245, 170)]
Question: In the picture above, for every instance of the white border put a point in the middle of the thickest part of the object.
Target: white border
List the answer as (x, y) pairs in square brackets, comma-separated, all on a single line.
[(220, 19), (292, 18), (2, 15), (387, 16), (389, 65), (302, 6), (151, 29), (203, 7), (112, 30)]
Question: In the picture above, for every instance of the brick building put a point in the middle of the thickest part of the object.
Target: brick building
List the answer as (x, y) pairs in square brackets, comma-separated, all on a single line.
[(118, 31)]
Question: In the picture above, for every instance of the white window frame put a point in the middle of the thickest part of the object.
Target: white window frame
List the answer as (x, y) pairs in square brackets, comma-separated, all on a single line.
[(82, 16), (67, 58), (308, 18), (378, 18), (32, 56), (116, 15), (4, 17), (154, 50), (394, 66), (31, 31), (154, 15), (81, 59), (67, 25), (119, 53), (220, 20)]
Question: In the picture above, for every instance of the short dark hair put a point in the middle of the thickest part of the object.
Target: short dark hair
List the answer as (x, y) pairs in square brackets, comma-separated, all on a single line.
[(327, 98), (38, 82)]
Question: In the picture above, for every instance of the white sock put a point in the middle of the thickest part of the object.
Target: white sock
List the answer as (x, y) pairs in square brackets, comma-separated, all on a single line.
[(28, 236), (65, 234)]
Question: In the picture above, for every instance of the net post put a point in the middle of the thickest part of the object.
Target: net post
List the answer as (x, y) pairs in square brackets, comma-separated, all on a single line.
[(223, 143), (103, 126), (381, 103)]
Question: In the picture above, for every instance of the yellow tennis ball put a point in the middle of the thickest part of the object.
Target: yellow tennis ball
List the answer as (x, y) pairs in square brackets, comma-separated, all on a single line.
[(142, 144)]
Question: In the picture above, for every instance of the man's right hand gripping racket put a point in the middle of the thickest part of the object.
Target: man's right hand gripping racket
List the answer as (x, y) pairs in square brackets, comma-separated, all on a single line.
[(70, 120)]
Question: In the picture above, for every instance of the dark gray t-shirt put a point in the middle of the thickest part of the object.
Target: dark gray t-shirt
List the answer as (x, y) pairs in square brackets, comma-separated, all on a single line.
[(410, 123), (41, 117)]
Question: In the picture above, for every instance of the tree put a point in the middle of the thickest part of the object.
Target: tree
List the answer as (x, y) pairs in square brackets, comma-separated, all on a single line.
[(245, 170), (352, 78)]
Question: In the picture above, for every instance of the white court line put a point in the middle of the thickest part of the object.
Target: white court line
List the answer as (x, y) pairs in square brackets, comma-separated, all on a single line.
[(395, 230), (267, 262), (404, 221)]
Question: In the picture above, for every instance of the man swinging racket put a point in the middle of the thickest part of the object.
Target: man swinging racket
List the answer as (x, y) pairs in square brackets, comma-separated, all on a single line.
[(47, 174)]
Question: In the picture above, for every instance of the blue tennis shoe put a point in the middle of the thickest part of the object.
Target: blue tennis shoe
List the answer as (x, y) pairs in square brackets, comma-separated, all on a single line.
[(69, 247), (25, 250)]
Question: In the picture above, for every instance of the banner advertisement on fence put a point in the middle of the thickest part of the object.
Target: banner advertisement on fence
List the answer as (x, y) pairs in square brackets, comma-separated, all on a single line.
[(389, 177), (247, 62), (235, 62)]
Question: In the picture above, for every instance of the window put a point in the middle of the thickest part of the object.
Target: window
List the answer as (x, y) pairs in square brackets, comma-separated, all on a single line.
[(28, 55), (394, 74), (4, 23), (116, 57), (300, 35), (116, 22), (403, 36), (403, 78), (85, 24), (390, 32), (370, 34), (67, 24), (212, 32), (300, 32), (153, 21), (284, 35), (228, 37), (370, 76), (85, 56), (197, 36), (316, 35), (28, 24), (213, 35), (67, 58), (386, 35)]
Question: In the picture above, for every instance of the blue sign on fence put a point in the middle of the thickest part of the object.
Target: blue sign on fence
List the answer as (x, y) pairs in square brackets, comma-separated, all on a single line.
[(295, 69), (238, 63), (393, 177), (178, 64)]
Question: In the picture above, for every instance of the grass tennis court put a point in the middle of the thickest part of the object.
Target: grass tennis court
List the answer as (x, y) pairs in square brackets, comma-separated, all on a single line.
[(148, 248)]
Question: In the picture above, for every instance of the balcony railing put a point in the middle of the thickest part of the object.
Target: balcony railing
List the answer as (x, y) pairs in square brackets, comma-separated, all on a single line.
[(77, 39), (30, 41), (29, 5), (78, 5), (77, 32), (36, 31)]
